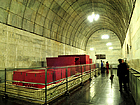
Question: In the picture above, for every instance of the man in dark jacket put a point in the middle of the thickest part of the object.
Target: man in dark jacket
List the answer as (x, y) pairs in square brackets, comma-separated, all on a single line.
[(126, 67), (121, 72)]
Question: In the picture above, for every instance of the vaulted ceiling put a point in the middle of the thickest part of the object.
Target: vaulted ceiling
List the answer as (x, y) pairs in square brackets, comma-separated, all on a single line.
[(66, 20)]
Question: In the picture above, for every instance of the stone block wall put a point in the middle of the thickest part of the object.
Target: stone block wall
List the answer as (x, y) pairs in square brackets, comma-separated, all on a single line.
[(131, 46), (100, 47), (135, 64), (112, 56), (19, 48)]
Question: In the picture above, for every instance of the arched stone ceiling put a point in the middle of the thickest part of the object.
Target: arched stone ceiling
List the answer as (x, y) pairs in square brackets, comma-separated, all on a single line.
[(66, 20), (99, 44)]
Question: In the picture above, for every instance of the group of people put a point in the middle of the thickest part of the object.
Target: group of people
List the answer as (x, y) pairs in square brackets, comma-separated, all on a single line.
[(103, 67), (123, 74)]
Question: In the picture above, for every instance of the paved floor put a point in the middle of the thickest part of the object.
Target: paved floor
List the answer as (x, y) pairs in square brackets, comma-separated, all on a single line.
[(100, 91)]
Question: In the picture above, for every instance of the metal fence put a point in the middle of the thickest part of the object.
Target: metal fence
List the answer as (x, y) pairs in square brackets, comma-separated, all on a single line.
[(71, 77)]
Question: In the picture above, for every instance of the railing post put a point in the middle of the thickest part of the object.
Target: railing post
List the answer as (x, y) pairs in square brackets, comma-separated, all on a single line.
[(81, 77), (45, 86), (5, 95), (67, 92), (98, 71), (90, 73)]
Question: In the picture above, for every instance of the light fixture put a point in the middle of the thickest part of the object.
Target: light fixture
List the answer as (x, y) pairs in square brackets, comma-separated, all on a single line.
[(110, 47), (90, 18), (93, 17), (91, 49), (97, 17), (108, 44), (105, 36)]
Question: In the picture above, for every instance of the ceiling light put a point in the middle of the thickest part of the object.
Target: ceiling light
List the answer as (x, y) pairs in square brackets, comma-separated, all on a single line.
[(105, 36), (93, 17), (90, 18), (108, 44), (91, 49), (97, 17), (110, 47)]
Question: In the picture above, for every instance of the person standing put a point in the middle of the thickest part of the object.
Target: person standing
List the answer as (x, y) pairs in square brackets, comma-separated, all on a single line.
[(121, 72), (126, 68), (101, 66), (104, 66), (107, 67)]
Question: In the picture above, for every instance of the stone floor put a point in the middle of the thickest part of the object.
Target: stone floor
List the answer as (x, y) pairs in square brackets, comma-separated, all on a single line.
[(99, 91)]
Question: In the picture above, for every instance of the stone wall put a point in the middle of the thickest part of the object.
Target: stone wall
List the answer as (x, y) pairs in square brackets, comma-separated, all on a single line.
[(131, 46), (112, 56), (100, 47), (135, 64), (19, 48)]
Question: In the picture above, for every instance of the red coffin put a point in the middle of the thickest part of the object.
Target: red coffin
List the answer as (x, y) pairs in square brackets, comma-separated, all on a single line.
[(78, 69), (88, 68), (52, 61), (94, 66), (56, 75), (68, 61), (62, 61), (63, 73), (70, 71), (38, 77), (33, 77), (90, 61), (84, 59), (19, 75)]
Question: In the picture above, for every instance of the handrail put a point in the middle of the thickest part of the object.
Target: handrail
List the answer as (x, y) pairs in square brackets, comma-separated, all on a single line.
[(135, 70), (9, 69)]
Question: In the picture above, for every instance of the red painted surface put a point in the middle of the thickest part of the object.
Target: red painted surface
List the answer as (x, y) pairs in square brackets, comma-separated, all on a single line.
[(52, 61), (19, 75), (87, 67), (62, 61), (78, 69), (72, 70), (63, 73), (57, 75), (84, 59), (94, 66), (90, 61), (38, 77)]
